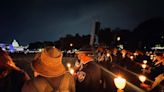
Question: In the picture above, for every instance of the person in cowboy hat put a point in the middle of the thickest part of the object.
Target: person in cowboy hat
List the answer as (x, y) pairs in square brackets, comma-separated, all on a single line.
[(52, 76), (12, 78), (89, 74)]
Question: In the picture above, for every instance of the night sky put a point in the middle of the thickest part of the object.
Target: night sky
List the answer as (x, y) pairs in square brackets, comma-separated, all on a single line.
[(47, 20)]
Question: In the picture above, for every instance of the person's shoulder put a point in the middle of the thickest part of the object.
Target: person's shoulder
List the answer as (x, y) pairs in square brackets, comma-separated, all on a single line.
[(31, 85), (20, 74), (34, 82), (93, 64), (67, 74), (160, 77), (38, 79)]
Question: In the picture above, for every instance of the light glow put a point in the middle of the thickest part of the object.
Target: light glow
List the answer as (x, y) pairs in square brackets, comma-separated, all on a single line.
[(68, 65), (142, 78), (108, 55), (145, 61), (120, 82), (131, 57), (71, 71), (143, 66)]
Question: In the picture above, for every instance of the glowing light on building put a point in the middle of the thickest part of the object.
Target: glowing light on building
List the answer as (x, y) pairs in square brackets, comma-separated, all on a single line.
[(11, 48), (121, 46), (158, 47), (118, 38), (70, 44), (3, 46), (15, 43)]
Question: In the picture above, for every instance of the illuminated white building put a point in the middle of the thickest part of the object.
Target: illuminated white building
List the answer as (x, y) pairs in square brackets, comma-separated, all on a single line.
[(15, 43), (3, 46), (17, 47)]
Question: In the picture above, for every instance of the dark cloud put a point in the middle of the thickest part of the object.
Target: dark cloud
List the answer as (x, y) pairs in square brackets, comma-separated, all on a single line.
[(47, 20)]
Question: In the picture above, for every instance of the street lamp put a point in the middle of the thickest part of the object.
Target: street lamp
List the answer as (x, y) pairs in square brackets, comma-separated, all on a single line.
[(120, 83), (118, 38), (70, 44)]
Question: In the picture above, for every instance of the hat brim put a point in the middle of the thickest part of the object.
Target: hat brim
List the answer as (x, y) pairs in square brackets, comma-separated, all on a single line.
[(48, 71), (48, 66)]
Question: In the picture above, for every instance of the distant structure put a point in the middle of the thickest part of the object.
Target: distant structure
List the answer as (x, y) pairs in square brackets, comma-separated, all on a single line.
[(15, 44), (13, 47), (3, 46), (17, 47), (95, 30)]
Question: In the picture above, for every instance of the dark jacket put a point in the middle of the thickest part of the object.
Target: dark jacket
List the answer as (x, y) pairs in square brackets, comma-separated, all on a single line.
[(13, 82), (91, 82)]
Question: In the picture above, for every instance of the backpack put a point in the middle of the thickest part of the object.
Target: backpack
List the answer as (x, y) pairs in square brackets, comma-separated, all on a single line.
[(47, 86)]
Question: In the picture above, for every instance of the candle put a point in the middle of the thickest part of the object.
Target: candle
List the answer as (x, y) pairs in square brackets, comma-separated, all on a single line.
[(144, 61), (143, 66), (108, 55), (142, 78), (68, 65), (131, 57), (120, 83), (71, 71)]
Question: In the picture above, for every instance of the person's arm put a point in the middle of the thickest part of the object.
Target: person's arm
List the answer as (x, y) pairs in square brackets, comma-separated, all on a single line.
[(72, 84), (157, 81)]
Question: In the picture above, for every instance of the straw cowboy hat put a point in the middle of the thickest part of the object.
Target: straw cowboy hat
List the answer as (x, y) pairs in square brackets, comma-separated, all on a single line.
[(48, 63)]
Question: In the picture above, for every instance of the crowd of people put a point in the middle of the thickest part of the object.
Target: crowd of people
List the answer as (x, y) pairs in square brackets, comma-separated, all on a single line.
[(50, 74), (133, 61)]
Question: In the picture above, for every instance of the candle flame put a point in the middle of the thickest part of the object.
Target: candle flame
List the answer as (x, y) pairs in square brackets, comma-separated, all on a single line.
[(143, 66), (142, 78), (120, 82)]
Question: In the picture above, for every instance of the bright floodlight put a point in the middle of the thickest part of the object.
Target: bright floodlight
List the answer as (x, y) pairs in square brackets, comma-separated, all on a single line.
[(71, 44), (118, 38)]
